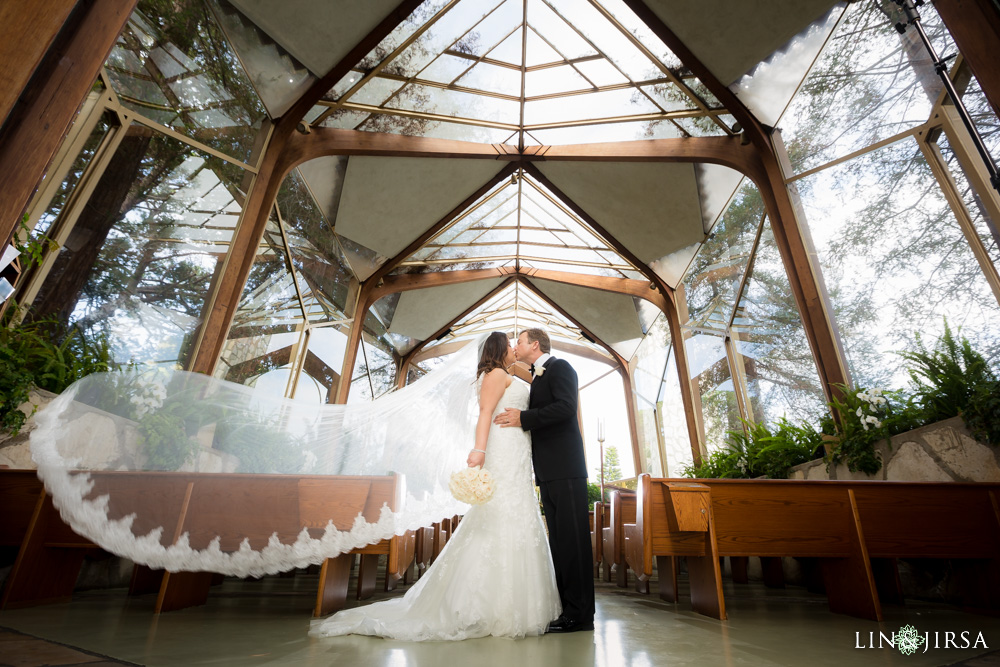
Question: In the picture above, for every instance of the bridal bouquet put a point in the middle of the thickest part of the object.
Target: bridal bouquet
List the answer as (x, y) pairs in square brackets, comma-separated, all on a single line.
[(473, 486)]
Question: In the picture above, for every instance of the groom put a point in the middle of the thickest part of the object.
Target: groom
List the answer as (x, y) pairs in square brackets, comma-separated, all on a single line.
[(561, 474)]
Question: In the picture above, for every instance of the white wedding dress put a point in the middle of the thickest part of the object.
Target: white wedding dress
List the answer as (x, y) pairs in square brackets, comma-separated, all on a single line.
[(495, 575)]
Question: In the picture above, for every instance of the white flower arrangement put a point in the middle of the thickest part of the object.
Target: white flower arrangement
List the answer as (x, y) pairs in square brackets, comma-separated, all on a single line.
[(149, 396), (473, 486), (539, 371), (875, 400)]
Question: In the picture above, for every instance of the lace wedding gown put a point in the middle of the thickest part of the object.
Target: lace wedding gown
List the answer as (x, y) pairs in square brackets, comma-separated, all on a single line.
[(495, 575)]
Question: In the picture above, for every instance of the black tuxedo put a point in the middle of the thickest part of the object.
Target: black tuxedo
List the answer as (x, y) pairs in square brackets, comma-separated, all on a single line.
[(561, 473)]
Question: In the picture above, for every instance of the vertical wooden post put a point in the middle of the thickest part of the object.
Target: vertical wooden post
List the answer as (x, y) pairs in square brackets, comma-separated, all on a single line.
[(54, 86), (353, 341), (633, 426), (690, 398)]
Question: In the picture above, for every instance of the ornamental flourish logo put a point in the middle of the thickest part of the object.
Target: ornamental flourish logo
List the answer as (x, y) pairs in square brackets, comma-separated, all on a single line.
[(908, 640)]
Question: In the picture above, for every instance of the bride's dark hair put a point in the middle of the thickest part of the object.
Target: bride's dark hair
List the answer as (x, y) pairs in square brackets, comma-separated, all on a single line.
[(494, 351)]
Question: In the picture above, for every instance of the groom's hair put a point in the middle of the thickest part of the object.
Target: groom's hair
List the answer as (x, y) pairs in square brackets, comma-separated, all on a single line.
[(539, 336)]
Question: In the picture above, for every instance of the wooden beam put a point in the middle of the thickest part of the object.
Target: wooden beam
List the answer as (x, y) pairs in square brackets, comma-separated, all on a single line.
[(27, 29), (321, 141), (691, 405), (726, 151), (36, 126), (412, 281), (975, 27), (633, 421), (264, 190), (360, 310)]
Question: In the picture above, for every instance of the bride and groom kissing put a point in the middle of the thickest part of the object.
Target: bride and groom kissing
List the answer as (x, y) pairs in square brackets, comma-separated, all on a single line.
[(499, 575)]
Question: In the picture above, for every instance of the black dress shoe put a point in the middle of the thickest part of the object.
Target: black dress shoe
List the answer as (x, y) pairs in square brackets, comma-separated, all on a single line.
[(569, 625)]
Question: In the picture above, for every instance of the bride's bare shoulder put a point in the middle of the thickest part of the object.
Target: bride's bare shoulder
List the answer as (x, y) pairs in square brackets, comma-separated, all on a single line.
[(498, 376)]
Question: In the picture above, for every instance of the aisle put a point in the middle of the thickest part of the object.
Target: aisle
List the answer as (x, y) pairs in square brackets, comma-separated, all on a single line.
[(265, 622)]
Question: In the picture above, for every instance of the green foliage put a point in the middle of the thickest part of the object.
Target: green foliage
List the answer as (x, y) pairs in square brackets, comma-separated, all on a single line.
[(260, 446), (164, 441), (33, 248), (593, 494), (612, 465), (47, 355), (953, 379), (983, 413), (759, 452), (946, 377)]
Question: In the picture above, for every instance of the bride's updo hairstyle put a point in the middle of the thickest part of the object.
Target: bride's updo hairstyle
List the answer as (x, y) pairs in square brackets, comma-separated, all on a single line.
[(494, 351)]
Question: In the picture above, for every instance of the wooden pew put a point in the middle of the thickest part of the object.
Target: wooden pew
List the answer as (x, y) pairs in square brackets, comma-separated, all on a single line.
[(848, 526), (596, 519), (199, 504), (621, 511)]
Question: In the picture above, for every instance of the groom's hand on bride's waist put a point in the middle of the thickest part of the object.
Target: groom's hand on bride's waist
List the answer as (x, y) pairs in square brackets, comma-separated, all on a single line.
[(509, 417)]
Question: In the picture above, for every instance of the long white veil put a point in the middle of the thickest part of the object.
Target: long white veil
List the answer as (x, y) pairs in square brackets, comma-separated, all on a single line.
[(113, 444)]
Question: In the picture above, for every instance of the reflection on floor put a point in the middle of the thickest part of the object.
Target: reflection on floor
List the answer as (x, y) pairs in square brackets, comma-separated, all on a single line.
[(265, 623)]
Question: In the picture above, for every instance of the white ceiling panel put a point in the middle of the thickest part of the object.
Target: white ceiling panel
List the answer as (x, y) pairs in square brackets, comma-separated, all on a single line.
[(388, 202), (611, 317), (735, 35), (422, 312), (317, 32)]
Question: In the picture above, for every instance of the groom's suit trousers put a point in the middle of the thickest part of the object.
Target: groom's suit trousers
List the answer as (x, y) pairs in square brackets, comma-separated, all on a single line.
[(566, 515)]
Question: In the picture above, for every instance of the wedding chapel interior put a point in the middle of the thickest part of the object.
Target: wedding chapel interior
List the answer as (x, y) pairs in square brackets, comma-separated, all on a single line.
[(756, 229)]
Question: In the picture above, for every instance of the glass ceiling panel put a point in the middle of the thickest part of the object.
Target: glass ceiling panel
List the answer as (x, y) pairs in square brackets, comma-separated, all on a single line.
[(461, 78)]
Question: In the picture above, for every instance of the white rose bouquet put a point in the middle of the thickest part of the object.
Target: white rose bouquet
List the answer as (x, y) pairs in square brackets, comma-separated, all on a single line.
[(473, 486)]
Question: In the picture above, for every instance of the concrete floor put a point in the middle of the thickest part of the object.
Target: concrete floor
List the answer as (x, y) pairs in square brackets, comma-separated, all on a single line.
[(265, 623)]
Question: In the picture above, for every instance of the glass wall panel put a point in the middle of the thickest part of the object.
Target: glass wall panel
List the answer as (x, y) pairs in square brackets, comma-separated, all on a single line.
[(141, 256), (673, 422), (713, 383), (267, 324), (869, 83), (172, 64), (374, 370), (320, 268), (894, 260), (711, 282), (605, 399), (771, 343), (987, 228), (106, 122), (648, 363)]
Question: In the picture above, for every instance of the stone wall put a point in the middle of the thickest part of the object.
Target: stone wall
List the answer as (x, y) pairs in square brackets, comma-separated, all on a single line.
[(944, 451)]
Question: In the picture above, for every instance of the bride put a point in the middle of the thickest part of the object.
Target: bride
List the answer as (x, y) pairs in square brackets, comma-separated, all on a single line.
[(495, 576)]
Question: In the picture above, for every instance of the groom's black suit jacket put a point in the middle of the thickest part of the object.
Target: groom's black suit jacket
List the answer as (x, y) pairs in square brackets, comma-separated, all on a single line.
[(556, 443)]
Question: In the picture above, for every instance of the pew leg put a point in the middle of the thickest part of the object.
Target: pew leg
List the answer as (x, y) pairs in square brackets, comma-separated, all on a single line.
[(979, 584), (179, 590), (642, 584), (41, 574), (812, 573), (621, 574), (887, 582), (774, 575), (666, 568), (145, 580), (850, 585), (334, 577), (367, 572), (705, 577), (738, 566), (606, 571)]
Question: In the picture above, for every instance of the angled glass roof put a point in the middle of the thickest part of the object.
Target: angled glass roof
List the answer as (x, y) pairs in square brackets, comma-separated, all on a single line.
[(519, 223), (513, 309), (523, 72)]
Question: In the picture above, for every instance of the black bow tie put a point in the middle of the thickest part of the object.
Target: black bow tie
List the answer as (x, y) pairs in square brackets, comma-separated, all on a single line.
[(532, 369)]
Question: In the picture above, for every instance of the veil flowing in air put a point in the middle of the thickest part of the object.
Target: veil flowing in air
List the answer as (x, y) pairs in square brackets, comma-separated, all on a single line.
[(118, 453)]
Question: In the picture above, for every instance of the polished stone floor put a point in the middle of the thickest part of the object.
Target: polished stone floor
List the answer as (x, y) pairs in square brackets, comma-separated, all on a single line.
[(265, 623)]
